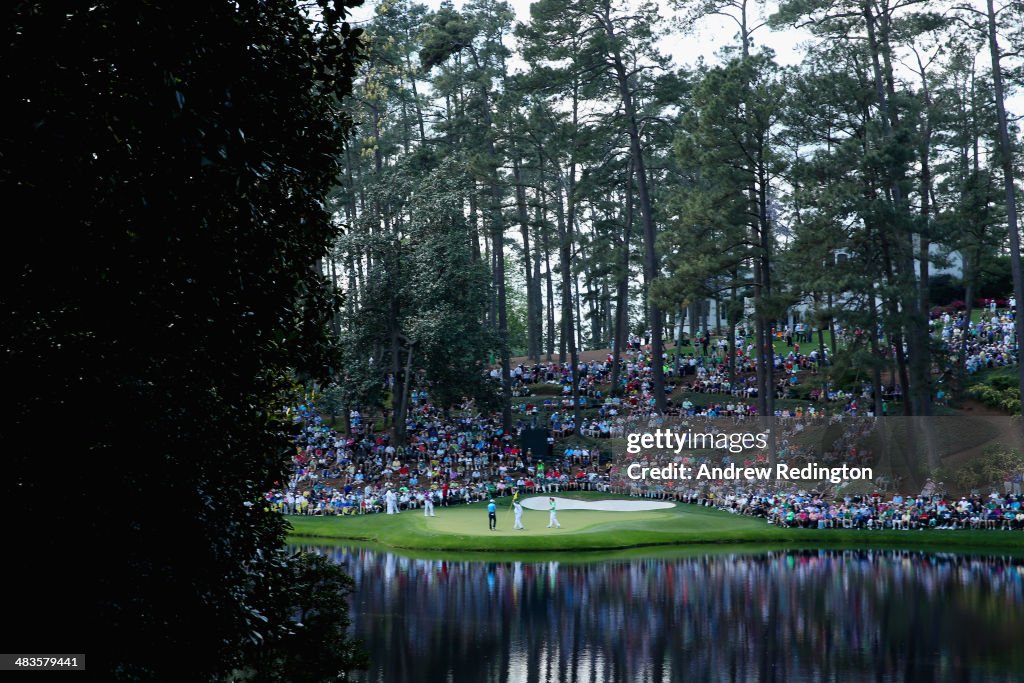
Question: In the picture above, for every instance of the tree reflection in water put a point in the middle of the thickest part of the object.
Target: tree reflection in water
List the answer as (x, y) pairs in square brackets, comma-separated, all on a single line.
[(772, 616)]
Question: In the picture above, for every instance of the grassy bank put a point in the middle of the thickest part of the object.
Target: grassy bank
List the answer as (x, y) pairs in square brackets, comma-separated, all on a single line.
[(463, 528)]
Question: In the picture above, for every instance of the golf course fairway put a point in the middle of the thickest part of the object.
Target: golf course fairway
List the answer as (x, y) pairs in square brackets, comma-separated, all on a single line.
[(464, 528)]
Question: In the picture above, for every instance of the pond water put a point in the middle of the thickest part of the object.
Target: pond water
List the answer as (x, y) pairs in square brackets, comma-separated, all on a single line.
[(783, 616)]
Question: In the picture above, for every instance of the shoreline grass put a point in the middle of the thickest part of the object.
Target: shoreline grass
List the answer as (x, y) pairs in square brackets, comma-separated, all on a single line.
[(674, 551)]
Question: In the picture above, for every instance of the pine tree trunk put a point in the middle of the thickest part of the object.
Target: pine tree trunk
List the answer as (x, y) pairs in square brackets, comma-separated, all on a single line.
[(565, 322), (622, 294), (415, 99), (1006, 164), (549, 282), (568, 333), (538, 300), (524, 228), (651, 268), (474, 230), (401, 402), (876, 371), (732, 320)]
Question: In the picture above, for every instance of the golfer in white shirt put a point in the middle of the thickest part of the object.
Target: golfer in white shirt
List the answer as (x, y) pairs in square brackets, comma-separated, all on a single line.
[(517, 508), (553, 521)]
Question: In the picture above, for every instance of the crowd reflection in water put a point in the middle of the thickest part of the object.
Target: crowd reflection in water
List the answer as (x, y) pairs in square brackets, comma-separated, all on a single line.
[(776, 616)]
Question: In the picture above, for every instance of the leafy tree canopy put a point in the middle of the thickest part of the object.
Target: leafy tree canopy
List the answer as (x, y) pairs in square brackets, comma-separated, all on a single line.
[(167, 165)]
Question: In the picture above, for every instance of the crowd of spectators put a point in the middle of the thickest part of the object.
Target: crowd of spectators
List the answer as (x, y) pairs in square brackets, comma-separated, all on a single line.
[(989, 340), (924, 511), (454, 461)]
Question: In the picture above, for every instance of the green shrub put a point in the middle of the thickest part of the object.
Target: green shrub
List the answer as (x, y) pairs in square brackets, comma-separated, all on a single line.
[(1001, 399), (1003, 382), (988, 469), (848, 379), (802, 391)]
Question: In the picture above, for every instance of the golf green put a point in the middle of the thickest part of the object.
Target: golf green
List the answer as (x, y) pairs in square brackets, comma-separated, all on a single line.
[(465, 528)]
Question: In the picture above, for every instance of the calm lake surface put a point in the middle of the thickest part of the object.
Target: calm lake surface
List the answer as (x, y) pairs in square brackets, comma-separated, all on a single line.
[(745, 616)]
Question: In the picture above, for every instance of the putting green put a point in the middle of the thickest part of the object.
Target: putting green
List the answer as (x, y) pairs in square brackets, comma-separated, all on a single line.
[(463, 520)]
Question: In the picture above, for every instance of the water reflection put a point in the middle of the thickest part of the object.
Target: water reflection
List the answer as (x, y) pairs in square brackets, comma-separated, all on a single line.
[(775, 616)]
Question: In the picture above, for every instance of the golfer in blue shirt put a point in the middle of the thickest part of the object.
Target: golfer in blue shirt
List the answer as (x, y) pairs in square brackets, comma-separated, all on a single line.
[(492, 515)]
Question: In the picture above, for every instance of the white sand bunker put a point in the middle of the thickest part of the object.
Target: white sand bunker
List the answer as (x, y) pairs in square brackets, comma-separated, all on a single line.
[(541, 503)]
